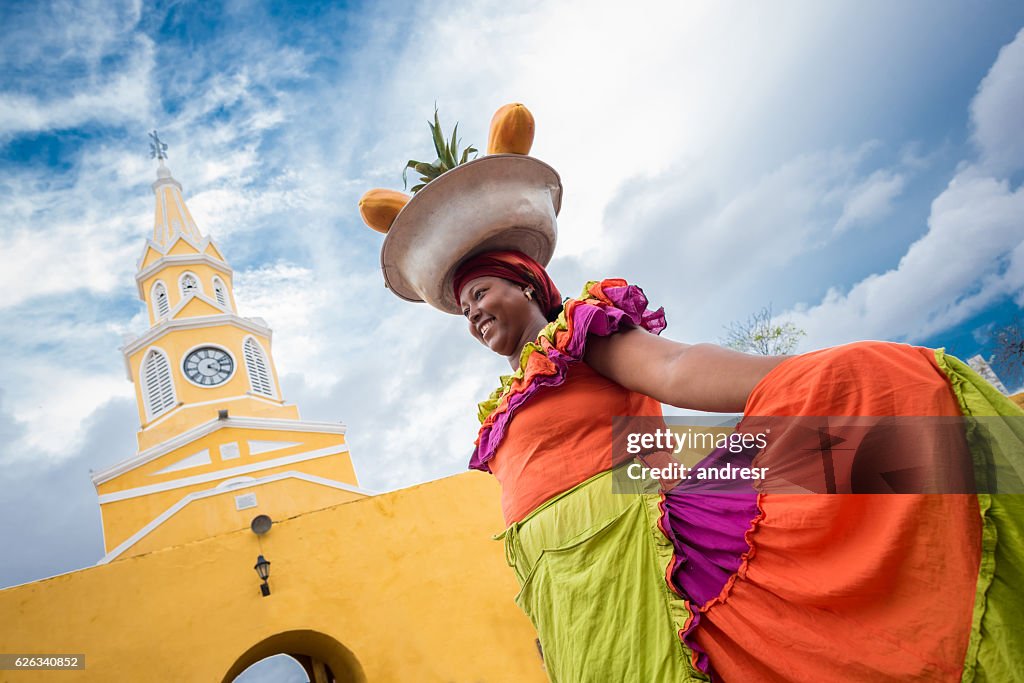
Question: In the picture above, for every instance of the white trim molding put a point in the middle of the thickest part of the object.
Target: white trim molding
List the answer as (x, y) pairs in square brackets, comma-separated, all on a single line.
[(164, 251), (194, 323), (182, 406), (257, 447), (197, 459), (184, 301), (179, 260), (236, 483), (198, 432), (221, 474), (198, 495)]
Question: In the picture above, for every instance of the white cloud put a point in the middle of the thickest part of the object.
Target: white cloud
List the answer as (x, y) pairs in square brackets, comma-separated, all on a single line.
[(289, 296), (123, 97), (61, 237), (997, 111), (53, 419), (871, 199), (971, 256), (973, 253), (691, 82), (64, 31), (714, 245)]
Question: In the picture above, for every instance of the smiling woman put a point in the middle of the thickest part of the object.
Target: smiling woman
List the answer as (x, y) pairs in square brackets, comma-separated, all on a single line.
[(682, 561), (749, 583), (507, 298), (495, 312)]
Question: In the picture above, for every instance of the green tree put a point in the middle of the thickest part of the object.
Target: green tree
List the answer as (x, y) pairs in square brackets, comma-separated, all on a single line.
[(1008, 353), (762, 334)]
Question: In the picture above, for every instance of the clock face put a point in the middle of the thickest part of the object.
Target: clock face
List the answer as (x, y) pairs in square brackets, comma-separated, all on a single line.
[(209, 366)]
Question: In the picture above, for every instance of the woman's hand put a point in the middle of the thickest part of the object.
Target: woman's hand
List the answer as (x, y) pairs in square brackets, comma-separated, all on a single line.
[(695, 376)]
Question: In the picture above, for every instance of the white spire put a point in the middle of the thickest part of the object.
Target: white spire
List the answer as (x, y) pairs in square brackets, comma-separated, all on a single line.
[(172, 218)]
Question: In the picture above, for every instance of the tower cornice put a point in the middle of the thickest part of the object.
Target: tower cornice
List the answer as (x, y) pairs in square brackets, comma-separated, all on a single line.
[(165, 180), (163, 249), (161, 329), (178, 260), (185, 438)]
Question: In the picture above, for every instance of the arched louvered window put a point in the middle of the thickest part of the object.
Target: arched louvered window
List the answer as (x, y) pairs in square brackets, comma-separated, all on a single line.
[(157, 385), (259, 370), (189, 284), (161, 306), (220, 291)]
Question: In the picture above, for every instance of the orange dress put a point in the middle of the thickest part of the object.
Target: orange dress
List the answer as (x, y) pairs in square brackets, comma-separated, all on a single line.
[(773, 586), (546, 452), (851, 587)]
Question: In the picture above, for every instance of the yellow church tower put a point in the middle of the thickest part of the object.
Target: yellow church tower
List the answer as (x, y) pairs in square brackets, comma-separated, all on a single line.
[(217, 443)]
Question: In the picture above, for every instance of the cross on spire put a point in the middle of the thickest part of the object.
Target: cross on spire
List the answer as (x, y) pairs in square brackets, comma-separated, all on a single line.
[(157, 147)]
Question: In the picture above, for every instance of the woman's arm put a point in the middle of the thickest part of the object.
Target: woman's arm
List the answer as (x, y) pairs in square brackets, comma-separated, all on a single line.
[(696, 376)]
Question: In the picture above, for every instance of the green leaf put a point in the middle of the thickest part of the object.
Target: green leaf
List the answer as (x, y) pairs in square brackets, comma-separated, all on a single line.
[(435, 130), (417, 188), (451, 150), (412, 163), (447, 154)]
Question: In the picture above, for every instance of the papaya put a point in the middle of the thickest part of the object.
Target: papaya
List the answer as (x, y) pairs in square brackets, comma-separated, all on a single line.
[(511, 130), (379, 207)]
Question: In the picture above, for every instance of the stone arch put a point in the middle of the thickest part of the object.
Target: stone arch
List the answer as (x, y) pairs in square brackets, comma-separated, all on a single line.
[(310, 649)]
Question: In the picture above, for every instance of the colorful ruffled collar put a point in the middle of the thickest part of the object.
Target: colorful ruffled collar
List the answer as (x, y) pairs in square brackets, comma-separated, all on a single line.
[(603, 308)]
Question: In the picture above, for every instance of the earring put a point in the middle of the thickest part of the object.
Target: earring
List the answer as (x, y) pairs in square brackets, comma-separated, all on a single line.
[(529, 294)]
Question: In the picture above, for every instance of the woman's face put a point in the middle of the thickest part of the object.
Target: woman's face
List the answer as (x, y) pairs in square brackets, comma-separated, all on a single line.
[(499, 313)]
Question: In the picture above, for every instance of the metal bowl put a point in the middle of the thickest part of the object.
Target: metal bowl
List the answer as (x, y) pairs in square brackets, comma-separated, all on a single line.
[(500, 201)]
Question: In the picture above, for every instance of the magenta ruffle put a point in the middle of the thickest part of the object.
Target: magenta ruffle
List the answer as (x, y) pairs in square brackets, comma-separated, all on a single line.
[(708, 530)]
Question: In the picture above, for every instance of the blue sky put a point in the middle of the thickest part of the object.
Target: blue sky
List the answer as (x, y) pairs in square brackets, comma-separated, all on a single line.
[(855, 165)]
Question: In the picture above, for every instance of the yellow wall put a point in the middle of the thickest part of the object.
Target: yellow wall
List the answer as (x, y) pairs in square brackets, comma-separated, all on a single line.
[(151, 256), (216, 514), (409, 582), (182, 248), (213, 251)]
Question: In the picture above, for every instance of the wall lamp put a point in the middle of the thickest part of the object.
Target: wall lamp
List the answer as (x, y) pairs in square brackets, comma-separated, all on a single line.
[(260, 525), (263, 569)]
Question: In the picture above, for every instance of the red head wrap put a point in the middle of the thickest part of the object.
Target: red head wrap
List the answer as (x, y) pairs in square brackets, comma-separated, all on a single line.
[(515, 267)]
